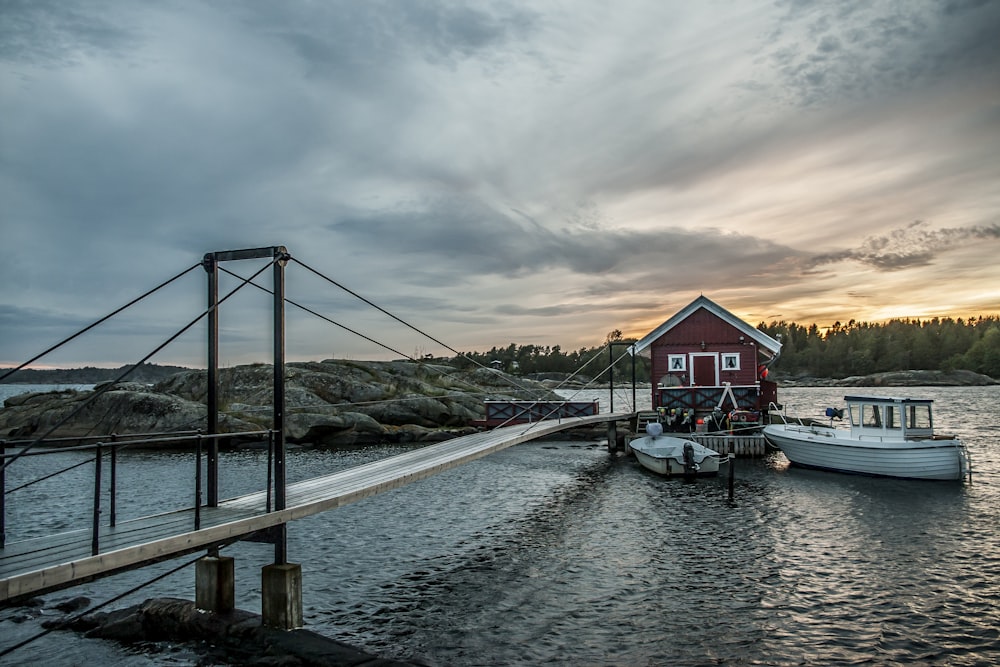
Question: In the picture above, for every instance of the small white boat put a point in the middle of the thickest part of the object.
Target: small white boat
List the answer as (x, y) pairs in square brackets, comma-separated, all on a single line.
[(888, 437), (672, 456)]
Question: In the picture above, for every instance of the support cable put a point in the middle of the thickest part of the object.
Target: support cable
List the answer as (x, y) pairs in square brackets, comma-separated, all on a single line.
[(553, 411), (371, 340), (65, 622), (107, 386), (323, 317), (103, 319), (333, 282)]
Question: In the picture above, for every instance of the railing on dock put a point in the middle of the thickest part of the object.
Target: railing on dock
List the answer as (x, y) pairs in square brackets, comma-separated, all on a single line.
[(741, 441), (740, 445), (528, 412)]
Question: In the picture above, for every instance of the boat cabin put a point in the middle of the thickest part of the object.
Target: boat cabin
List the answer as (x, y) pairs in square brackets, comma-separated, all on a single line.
[(705, 357), (903, 418)]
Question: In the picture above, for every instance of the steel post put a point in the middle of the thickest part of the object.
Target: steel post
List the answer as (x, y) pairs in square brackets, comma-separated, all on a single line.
[(212, 399)]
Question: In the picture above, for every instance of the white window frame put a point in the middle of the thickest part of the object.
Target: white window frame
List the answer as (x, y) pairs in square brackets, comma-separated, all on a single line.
[(677, 363), (726, 356)]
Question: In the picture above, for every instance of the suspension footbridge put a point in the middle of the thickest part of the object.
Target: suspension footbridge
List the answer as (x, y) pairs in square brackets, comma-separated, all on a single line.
[(48, 563)]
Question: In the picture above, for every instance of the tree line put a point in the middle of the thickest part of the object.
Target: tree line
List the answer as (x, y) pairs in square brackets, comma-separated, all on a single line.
[(862, 348), (842, 350)]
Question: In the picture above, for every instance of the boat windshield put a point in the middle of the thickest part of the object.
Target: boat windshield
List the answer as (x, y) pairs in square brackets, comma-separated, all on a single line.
[(892, 417), (872, 416), (919, 416)]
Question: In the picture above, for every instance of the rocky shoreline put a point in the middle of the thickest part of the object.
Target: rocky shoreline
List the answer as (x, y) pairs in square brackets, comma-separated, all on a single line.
[(335, 403), (235, 638), (911, 378), (329, 403)]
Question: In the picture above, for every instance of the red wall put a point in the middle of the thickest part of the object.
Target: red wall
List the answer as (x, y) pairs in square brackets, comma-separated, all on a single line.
[(718, 335)]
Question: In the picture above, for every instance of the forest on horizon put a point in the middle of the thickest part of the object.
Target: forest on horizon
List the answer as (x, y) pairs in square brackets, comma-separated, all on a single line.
[(842, 350)]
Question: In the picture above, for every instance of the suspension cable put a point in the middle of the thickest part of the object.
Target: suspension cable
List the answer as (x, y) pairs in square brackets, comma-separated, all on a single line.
[(372, 340), (333, 282), (66, 622), (49, 476), (103, 319), (323, 317), (592, 381), (107, 386)]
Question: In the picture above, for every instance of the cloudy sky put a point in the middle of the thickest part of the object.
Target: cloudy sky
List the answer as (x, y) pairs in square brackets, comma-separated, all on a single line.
[(491, 172)]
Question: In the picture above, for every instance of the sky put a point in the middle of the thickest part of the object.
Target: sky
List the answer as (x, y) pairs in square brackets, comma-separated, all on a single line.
[(489, 173)]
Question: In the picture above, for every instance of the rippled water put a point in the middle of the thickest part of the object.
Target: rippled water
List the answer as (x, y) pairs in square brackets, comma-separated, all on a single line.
[(559, 553)]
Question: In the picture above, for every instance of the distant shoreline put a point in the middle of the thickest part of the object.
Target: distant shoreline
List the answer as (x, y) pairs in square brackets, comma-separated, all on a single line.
[(152, 373)]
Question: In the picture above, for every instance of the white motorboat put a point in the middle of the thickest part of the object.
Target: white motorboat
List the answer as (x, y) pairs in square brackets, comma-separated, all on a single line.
[(672, 456), (888, 437)]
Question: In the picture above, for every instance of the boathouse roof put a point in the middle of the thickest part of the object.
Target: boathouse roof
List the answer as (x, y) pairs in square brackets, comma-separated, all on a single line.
[(762, 339)]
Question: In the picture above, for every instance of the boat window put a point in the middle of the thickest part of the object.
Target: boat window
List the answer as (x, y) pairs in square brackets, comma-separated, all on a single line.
[(855, 412), (873, 416), (920, 416), (892, 417)]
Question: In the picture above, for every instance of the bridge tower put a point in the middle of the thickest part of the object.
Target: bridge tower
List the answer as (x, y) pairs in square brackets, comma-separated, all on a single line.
[(281, 581)]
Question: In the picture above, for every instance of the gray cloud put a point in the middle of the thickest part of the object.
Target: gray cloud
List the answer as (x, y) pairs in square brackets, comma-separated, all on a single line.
[(827, 52), (49, 33), (497, 167), (912, 246)]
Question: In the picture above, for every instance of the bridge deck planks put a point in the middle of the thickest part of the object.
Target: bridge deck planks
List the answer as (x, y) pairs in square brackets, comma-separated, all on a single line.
[(38, 565)]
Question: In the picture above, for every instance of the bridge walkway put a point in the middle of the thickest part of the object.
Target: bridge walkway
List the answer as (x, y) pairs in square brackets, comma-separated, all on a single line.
[(39, 565)]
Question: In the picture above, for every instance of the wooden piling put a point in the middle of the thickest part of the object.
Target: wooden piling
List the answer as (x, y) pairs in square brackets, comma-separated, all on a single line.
[(732, 476)]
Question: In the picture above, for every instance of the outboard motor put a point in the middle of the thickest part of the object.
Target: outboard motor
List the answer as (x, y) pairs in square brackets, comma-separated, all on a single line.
[(690, 467), (834, 413)]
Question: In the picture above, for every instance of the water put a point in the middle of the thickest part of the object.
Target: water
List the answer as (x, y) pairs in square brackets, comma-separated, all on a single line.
[(8, 390), (559, 553)]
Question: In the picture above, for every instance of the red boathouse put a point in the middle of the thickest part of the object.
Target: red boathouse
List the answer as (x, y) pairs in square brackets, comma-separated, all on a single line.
[(705, 357)]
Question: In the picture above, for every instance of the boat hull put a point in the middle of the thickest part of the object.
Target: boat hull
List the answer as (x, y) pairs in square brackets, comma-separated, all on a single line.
[(664, 455), (832, 449)]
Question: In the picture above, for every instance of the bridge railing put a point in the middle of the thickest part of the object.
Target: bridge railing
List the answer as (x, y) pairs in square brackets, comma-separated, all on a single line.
[(501, 413), (106, 446)]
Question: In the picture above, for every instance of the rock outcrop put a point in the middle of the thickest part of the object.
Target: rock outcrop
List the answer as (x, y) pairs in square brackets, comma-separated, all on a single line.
[(329, 402), (233, 638), (895, 379)]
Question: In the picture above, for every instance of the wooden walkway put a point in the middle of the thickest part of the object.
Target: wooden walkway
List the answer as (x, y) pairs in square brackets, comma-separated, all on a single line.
[(41, 565)]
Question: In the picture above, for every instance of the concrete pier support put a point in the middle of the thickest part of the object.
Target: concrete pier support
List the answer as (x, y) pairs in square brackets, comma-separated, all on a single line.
[(215, 584), (281, 605), (612, 436)]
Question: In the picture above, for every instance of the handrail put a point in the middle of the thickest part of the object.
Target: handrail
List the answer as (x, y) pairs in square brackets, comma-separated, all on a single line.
[(773, 408), (114, 444), (193, 435), (70, 438)]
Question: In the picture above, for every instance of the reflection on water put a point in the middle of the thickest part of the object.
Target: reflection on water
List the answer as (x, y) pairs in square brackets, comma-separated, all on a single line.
[(556, 552)]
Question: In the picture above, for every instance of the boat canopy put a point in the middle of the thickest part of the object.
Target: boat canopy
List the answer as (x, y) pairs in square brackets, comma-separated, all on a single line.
[(901, 417)]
